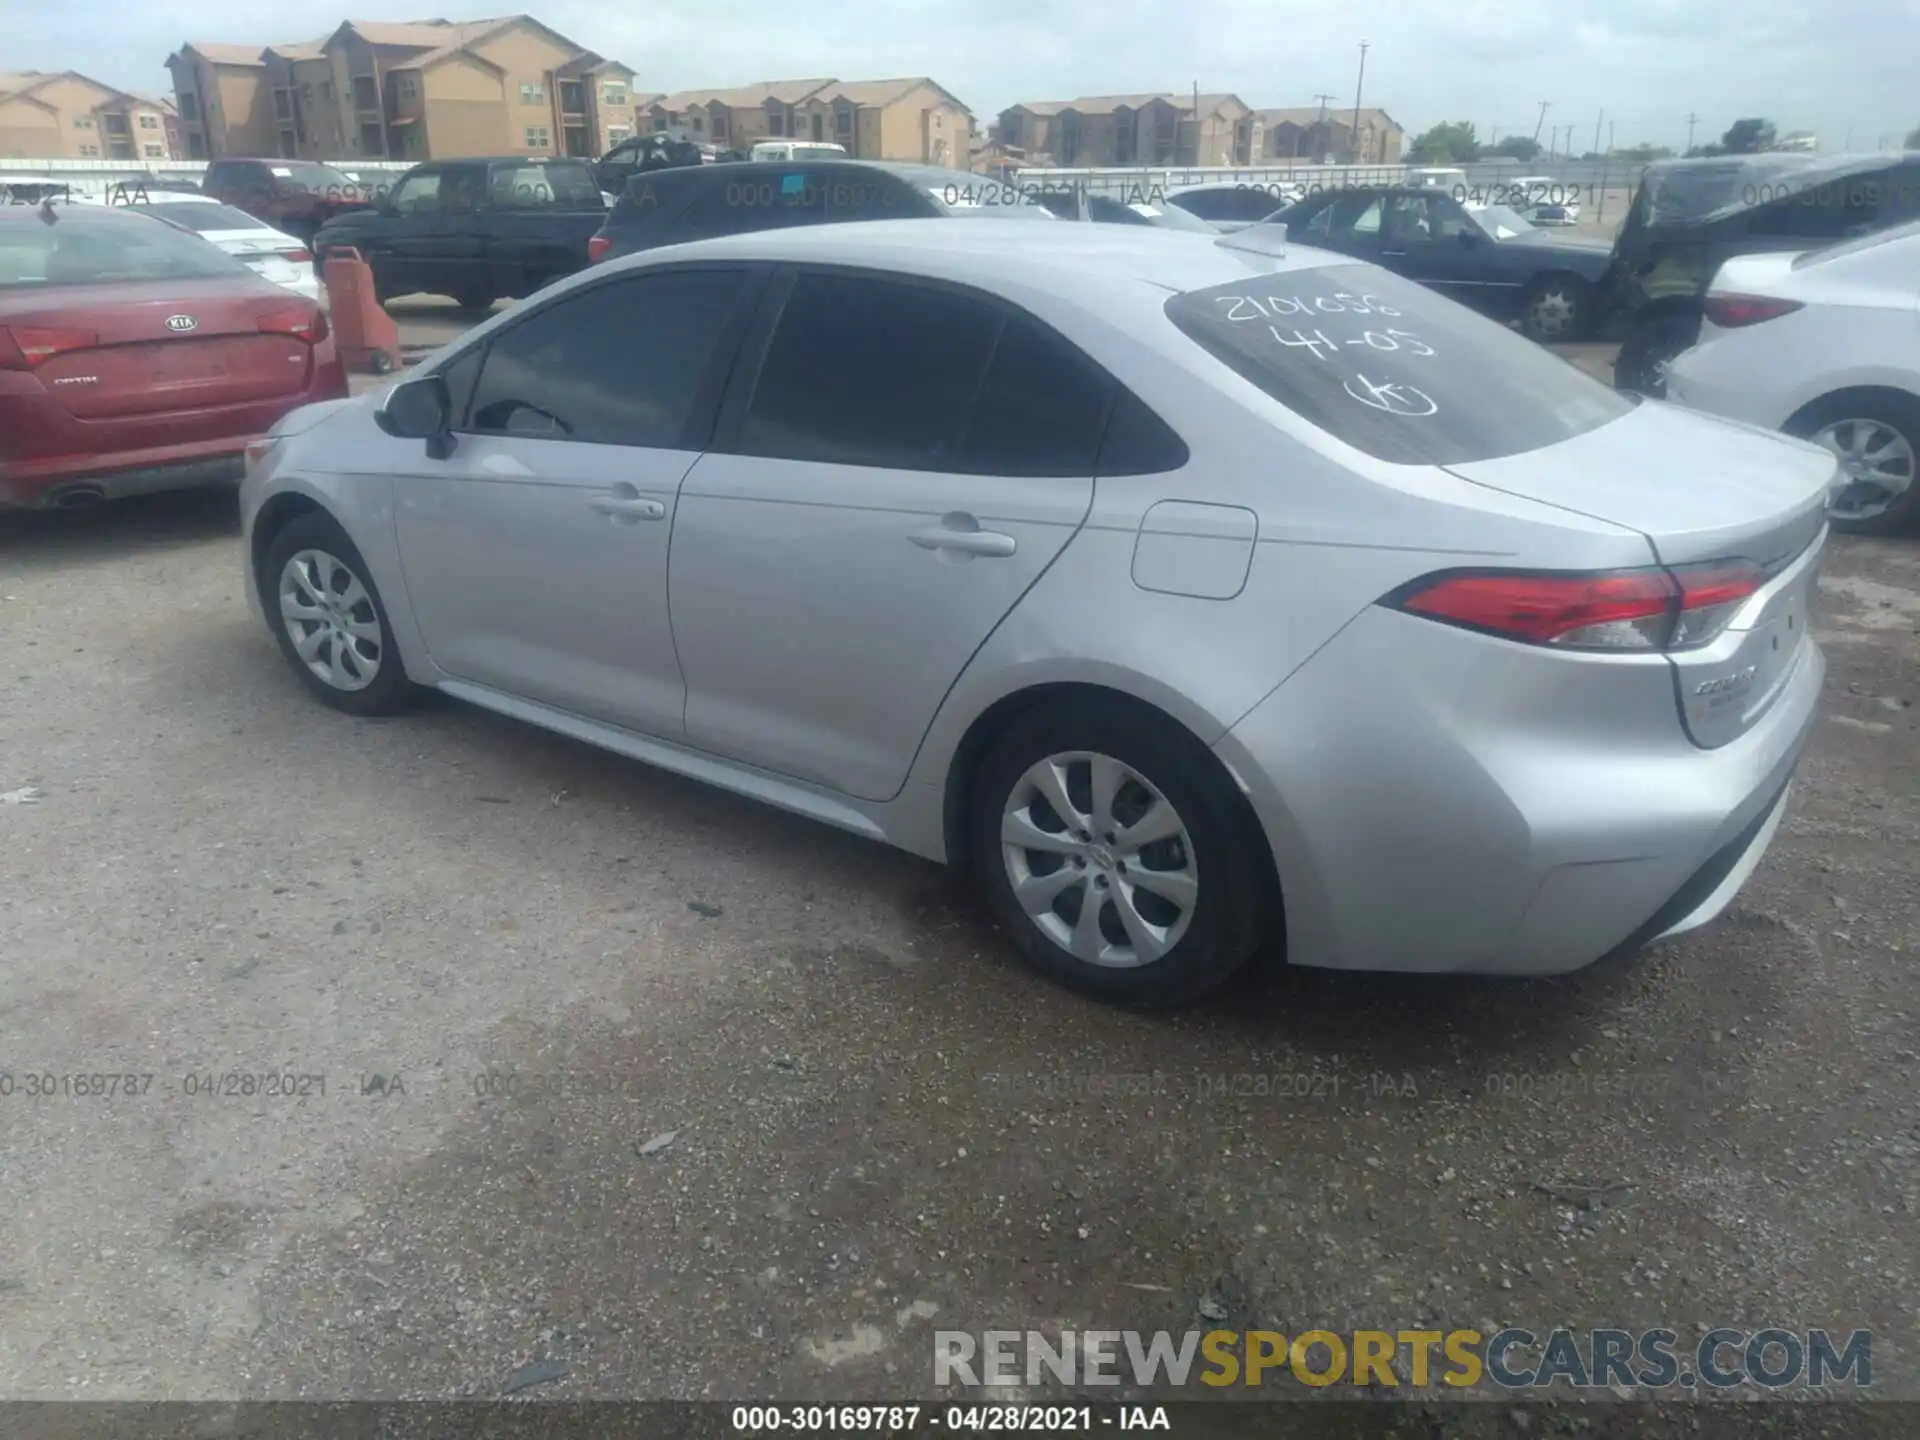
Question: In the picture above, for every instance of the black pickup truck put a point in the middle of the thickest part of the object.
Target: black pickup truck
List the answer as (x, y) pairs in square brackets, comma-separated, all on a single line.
[(476, 230)]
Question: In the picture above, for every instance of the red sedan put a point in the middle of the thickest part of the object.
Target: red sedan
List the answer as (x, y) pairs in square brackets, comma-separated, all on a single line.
[(135, 357)]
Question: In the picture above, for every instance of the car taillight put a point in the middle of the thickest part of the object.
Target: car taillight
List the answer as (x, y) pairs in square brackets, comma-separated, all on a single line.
[(597, 249), (1673, 609), (307, 325), (26, 347), (1730, 312)]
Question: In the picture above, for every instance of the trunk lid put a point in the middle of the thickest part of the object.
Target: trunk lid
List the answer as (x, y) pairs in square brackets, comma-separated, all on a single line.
[(1720, 491), (147, 359)]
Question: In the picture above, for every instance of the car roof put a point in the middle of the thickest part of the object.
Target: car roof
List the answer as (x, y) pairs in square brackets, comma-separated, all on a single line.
[(996, 255), (91, 213), (168, 197), (501, 160)]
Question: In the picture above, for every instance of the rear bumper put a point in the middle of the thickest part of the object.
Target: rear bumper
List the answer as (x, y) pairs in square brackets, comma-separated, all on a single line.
[(1452, 803), (93, 457), (227, 468)]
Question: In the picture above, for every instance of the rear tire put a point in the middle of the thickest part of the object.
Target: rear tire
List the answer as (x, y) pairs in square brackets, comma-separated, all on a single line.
[(1170, 859), (1641, 368), (327, 616), (475, 302), (1876, 434)]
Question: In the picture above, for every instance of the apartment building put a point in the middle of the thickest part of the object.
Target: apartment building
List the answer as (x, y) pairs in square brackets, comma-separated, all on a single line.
[(404, 91), (1169, 129), (1310, 133), (63, 115), (911, 119)]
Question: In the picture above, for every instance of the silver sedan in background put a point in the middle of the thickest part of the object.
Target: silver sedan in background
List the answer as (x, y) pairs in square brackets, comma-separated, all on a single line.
[(1190, 591)]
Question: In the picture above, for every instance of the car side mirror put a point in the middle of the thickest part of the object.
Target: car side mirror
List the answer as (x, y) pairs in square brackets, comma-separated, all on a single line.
[(419, 410), (1468, 239)]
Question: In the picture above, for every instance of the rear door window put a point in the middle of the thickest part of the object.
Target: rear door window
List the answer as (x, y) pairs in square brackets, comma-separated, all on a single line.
[(1392, 369), (863, 371)]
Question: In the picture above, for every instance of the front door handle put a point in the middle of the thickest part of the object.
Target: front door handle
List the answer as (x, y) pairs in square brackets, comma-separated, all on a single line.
[(964, 542), (629, 507)]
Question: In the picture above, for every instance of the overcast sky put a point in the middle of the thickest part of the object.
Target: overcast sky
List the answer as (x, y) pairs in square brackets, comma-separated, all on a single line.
[(1837, 67)]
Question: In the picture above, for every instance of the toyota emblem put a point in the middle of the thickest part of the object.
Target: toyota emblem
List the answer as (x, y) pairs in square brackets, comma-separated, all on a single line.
[(181, 322)]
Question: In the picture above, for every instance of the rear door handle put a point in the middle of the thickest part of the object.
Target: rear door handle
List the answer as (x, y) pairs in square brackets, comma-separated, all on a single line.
[(965, 542), (629, 507)]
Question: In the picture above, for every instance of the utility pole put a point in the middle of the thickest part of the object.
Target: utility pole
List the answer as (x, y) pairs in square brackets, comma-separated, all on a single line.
[(1596, 130), (1358, 86), (1609, 137), (1692, 120), (1545, 105), (1567, 153)]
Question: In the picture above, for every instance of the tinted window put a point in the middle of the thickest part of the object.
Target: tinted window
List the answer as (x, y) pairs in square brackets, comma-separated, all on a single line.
[(1392, 369), (1825, 210), (1209, 204), (83, 248), (726, 206), (531, 186), (870, 372), (872, 197), (1040, 410), (619, 364), (200, 218), (417, 194), (1138, 442), (460, 373)]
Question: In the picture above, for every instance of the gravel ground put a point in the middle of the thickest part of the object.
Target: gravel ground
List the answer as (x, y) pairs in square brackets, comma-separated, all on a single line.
[(880, 1126)]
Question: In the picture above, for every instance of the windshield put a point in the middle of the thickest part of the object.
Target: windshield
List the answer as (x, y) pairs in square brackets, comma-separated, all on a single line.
[(200, 217), (89, 248), (1391, 368), (1499, 221)]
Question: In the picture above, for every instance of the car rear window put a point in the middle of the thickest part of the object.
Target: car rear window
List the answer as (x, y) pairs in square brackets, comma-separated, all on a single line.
[(534, 185), (1391, 369), (200, 218), (97, 249)]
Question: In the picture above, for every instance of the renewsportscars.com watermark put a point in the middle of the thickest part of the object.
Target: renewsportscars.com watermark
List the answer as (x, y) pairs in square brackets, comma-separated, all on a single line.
[(1513, 1359)]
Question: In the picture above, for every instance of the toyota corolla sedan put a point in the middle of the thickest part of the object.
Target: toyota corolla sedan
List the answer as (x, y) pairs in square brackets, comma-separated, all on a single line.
[(1190, 591)]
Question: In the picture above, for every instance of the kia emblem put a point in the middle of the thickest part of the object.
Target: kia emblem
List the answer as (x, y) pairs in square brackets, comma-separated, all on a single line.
[(181, 322)]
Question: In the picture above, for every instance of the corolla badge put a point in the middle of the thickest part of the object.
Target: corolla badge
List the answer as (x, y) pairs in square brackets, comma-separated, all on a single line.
[(182, 323), (1722, 684)]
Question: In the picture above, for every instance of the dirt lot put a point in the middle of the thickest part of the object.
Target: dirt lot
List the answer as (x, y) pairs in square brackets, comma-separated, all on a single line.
[(516, 961)]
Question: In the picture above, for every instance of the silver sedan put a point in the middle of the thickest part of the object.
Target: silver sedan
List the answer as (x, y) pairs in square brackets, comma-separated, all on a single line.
[(1192, 592)]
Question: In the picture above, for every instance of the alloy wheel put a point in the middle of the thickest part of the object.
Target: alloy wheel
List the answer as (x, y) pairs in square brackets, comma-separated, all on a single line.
[(330, 619), (1099, 859), (1551, 312), (1877, 462)]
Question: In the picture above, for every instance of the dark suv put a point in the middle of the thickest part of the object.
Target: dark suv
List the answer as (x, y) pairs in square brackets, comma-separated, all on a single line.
[(295, 197), (667, 207), (1689, 217)]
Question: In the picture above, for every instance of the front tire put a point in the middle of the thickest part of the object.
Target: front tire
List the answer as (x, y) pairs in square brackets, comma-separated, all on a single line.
[(1558, 308), (329, 620), (475, 302), (1115, 855), (1876, 436)]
